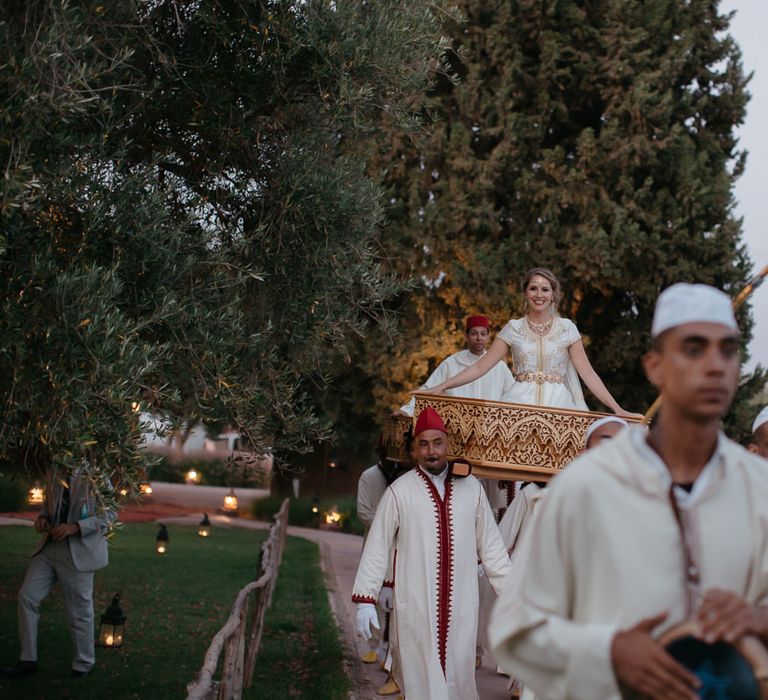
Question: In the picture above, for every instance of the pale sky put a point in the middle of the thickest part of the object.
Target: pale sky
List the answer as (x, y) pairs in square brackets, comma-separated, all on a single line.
[(748, 28)]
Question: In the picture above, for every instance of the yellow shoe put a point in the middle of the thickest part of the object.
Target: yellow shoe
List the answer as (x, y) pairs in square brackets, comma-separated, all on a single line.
[(389, 688), (370, 658)]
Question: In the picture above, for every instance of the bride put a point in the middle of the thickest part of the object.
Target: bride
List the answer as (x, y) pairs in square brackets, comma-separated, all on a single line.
[(547, 354)]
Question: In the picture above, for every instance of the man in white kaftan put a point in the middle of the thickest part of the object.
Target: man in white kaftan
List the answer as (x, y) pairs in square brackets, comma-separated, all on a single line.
[(371, 485), (494, 386), (441, 525), (646, 530)]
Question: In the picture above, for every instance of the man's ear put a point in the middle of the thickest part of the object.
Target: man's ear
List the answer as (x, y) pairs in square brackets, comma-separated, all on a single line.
[(652, 367), (753, 448)]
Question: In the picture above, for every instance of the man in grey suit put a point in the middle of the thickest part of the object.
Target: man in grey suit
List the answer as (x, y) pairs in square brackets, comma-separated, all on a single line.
[(73, 547)]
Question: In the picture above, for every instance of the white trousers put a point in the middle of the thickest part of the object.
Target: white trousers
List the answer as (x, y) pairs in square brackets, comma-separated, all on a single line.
[(52, 564)]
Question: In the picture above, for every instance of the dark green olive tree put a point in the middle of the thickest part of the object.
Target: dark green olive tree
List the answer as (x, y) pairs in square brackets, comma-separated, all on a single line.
[(188, 224)]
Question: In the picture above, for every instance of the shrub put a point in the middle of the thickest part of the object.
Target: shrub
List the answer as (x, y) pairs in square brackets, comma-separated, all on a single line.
[(300, 511), (12, 495)]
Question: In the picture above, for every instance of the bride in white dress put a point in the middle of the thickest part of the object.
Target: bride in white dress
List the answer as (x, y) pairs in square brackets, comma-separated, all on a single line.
[(547, 353)]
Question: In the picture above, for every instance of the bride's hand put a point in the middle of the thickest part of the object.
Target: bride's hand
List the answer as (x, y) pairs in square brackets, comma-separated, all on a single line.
[(621, 413)]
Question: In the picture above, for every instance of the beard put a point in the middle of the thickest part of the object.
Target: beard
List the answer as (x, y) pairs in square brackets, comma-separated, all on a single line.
[(434, 465)]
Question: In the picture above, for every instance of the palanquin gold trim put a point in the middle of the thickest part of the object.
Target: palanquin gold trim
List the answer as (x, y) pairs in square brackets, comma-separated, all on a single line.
[(501, 440)]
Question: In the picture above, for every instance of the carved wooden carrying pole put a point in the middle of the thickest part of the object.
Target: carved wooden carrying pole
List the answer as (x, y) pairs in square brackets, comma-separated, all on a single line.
[(501, 440)]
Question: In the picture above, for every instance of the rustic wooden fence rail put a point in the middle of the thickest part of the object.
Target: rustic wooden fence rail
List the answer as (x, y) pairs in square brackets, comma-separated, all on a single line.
[(238, 639)]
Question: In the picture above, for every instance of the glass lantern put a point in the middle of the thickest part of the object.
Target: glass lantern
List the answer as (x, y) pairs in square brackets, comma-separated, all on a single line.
[(230, 503), (36, 495), (204, 529), (161, 542), (112, 625)]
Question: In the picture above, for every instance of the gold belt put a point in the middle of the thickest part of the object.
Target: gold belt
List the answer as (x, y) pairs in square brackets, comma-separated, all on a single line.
[(540, 377)]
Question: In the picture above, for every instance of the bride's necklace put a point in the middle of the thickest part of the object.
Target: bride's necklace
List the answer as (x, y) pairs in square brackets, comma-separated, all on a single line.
[(540, 328)]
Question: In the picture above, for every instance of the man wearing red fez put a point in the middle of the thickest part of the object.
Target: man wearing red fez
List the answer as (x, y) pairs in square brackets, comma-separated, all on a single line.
[(441, 526), (493, 386)]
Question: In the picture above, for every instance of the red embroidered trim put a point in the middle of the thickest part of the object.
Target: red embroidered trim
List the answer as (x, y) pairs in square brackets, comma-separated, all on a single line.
[(443, 512), (510, 492), (363, 599), (388, 584)]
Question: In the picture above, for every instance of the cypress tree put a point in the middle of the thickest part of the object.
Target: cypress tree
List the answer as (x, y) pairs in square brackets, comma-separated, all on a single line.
[(595, 138)]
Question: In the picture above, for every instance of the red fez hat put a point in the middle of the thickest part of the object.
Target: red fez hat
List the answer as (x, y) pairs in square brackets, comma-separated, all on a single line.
[(477, 322), (429, 419)]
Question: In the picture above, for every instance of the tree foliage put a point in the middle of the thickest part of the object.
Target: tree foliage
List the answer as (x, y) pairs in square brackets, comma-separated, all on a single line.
[(187, 222), (595, 138)]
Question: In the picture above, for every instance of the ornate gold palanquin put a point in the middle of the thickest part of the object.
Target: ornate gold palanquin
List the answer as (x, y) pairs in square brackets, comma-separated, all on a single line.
[(501, 440)]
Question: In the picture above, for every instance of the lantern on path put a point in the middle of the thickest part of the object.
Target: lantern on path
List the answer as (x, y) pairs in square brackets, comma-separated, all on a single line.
[(230, 503), (161, 542), (112, 625), (205, 526), (333, 518)]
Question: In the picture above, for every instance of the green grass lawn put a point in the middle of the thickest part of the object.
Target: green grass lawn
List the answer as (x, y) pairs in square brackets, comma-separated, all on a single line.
[(174, 605)]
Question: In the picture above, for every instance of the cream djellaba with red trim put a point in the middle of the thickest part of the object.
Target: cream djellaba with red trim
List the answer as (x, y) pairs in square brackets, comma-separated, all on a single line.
[(439, 541)]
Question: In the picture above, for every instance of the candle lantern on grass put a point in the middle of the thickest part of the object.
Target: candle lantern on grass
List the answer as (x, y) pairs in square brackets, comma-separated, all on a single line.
[(161, 542), (204, 530), (112, 625)]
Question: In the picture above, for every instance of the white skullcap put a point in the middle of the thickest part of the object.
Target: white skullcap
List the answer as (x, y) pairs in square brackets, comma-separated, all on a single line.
[(601, 422), (760, 419), (691, 303)]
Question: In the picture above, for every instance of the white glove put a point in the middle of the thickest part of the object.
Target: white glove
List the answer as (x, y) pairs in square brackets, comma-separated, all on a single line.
[(366, 618), (386, 598), (480, 571)]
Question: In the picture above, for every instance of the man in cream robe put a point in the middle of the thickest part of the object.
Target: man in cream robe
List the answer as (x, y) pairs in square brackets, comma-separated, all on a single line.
[(646, 530), (441, 525), (496, 385), (371, 485), (493, 386)]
